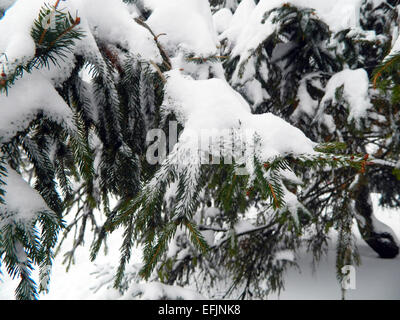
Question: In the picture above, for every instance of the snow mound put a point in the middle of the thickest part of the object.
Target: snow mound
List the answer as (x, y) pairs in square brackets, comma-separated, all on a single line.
[(108, 21), (6, 3), (22, 202), (222, 19), (355, 91), (113, 22), (31, 95), (209, 108), (16, 42), (187, 25)]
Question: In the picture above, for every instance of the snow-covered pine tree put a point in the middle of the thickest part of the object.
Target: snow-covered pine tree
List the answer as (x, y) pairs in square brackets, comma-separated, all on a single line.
[(84, 82)]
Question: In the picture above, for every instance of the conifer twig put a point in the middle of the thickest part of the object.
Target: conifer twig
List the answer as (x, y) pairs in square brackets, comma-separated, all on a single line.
[(274, 195), (47, 27), (382, 69), (190, 227), (76, 22)]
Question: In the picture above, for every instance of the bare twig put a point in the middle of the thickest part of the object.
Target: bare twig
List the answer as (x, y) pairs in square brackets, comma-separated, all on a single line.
[(166, 60), (158, 71)]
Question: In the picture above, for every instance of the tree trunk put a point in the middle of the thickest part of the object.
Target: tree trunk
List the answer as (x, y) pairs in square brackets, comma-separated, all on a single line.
[(378, 236)]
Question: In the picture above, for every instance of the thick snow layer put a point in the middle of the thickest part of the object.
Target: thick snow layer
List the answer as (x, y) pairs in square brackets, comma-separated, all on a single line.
[(22, 202), (246, 31), (222, 19), (339, 14), (187, 24), (6, 3), (355, 91), (17, 46), (109, 21), (16, 42), (208, 107), (29, 96)]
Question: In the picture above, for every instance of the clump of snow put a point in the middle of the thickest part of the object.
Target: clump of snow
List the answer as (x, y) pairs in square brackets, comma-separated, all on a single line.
[(157, 291), (355, 92), (211, 212), (290, 176), (20, 252), (29, 96), (16, 43), (287, 255), (22, 203), (243, 226), (173, 247), (5, 4), (108, 21), (222, 19), (395, 49), (187, 24), (255, 92), (136, 289), (339, 14), (100, 21), (209, 236), (307, 104), (246, 30), (382, 228), (210, 108), (113, 22), (59, 73), (198, 71), (292, 205)]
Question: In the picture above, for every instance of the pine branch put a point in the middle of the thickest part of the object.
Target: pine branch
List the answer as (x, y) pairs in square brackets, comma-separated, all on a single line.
[(389, 66), (50, 44)]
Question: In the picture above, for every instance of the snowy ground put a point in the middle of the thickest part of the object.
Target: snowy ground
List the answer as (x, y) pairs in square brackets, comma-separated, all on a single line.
[(375, 278)]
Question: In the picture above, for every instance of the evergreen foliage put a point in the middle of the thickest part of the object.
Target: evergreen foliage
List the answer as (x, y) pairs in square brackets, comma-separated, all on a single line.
[(299, 198)]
